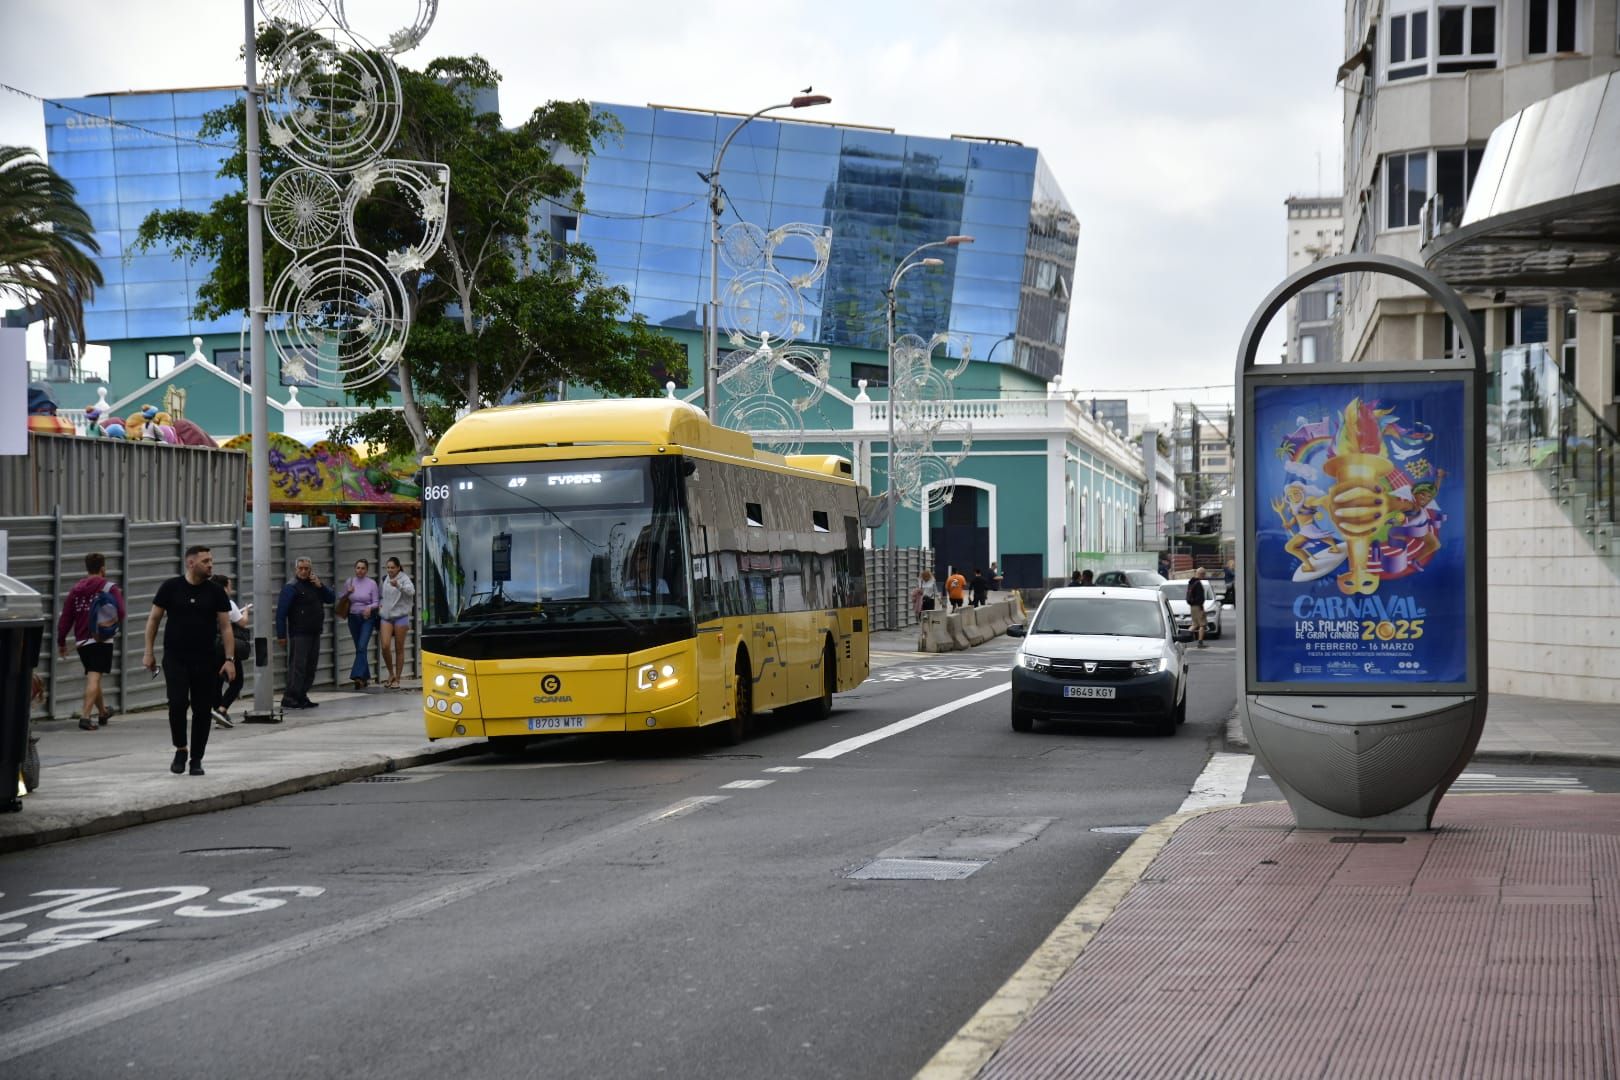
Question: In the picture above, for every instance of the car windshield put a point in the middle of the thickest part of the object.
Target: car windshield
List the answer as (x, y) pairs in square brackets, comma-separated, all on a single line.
[(1099, 615), (1174, 590), (1143, 579)]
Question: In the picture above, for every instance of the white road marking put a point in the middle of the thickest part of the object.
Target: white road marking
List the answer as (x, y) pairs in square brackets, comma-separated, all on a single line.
[(788, 768), (76, 1021), (747, 784), (838, 749), (1221, 783)]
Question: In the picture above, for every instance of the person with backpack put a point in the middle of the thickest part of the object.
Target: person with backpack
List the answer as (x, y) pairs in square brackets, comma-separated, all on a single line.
[(93, 613), (1195, 603)]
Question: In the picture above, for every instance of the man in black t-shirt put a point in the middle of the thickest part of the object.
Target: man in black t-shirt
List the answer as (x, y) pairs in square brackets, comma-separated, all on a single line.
[(1195, 604), (198, 612)]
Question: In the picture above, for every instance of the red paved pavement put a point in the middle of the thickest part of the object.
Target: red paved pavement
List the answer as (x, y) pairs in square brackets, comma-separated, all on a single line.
[(1489, 947)]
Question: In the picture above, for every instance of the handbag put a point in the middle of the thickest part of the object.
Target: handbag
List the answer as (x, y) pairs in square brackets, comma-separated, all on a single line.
[(342, 606)]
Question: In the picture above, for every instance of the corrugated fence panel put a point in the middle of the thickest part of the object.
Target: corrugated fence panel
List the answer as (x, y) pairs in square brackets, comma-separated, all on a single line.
[(144, 481)]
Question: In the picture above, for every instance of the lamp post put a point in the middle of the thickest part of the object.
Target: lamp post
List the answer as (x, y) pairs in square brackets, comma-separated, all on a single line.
[(259, 458), (906, 264), (711, 338)]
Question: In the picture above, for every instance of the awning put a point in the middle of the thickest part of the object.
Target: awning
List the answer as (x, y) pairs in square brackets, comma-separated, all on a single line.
[(1542, 224)]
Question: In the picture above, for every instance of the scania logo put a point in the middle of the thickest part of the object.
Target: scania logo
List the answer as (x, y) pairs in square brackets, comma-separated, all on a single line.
[(550, 684), (1091, 666)]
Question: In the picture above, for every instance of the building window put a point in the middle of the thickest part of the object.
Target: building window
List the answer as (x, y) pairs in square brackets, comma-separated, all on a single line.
[(1552, 27), (1307, 349), (1454, 172), (1406, 188), (1313, 306), (1408, 44), (1466, 38), (1567, 351), (874, 374), (1526, 325), (234, 362), (159, 364)]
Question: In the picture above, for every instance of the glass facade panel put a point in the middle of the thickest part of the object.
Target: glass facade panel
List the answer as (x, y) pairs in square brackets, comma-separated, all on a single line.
[(611, 199), (138, 107), (672, 151), (685, 125), (987, 211), (820, 138), (808, 166), (152, 187), (107, 325), (134, 161), (157, 294), (156, 322), (76, 163), (1000, 185), (145, 134), (620, 171)]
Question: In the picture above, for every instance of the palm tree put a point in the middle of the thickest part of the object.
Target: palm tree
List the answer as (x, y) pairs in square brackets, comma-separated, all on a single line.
[(46, 242)]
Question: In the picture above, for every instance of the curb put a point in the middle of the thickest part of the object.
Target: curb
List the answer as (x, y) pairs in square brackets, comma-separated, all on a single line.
[(978, 1040), (240, 797)]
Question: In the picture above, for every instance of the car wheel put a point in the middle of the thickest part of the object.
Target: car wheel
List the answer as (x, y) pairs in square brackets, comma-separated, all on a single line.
[(1022, 721), (1181, 708)]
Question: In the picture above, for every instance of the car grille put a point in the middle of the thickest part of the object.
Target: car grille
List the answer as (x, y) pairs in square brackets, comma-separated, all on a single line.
[(1105, 669)]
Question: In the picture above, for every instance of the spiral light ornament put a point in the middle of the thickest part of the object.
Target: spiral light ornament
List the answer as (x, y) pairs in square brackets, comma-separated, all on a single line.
[(333, 103), (424, 185), (303, 208), (342, 316)]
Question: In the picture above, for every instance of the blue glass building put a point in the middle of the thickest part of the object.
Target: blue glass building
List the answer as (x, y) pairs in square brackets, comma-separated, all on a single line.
[(881, 193), (153, 159)]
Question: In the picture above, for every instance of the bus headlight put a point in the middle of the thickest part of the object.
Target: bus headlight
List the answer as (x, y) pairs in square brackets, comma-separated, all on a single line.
[(659, 676)]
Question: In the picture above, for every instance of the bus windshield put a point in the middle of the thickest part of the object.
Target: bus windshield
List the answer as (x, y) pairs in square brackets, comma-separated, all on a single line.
[(557, 547)]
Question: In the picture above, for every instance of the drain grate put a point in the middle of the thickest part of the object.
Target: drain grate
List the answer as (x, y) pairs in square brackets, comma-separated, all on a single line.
[(392, 778), (1367, 840), (914, 870), (1123, 830), (210, 851)]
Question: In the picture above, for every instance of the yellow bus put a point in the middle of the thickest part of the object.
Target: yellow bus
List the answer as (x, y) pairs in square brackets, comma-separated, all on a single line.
[(626, 565)]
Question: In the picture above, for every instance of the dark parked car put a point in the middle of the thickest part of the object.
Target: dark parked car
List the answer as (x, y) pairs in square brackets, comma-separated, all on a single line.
[(1131, 579)]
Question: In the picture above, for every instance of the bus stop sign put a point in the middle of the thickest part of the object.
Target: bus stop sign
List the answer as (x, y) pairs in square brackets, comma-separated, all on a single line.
[(1361, 561)]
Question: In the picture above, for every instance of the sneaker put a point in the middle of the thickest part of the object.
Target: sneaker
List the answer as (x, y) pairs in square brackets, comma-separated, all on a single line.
[(87, 724), (178, 765), (196, 768), (221, 719)]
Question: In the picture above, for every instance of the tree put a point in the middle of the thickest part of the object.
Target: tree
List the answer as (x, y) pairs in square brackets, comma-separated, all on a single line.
[(46, 242), (500, 313)]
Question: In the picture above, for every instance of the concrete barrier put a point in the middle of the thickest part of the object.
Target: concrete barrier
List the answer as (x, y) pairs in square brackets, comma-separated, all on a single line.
[(933, 633), (947, 631), (976, 625)]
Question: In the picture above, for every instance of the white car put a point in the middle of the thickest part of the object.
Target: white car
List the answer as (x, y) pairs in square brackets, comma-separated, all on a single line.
[(1176, 593), (1105, 653)]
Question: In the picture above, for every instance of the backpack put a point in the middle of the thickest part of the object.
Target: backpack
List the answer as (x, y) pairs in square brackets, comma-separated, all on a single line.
[(1195, 593), (103, 618)]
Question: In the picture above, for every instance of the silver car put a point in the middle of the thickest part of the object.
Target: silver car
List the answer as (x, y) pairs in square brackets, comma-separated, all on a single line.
[(1100, 654)]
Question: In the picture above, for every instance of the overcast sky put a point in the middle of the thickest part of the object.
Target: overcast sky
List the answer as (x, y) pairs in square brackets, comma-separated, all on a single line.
[(1175, 128)]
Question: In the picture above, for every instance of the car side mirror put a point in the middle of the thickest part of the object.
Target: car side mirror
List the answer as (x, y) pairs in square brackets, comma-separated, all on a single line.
[(1186, 635), (1015, 630)]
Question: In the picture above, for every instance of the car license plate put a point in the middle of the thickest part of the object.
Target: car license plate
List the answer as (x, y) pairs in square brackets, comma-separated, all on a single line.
[(1088, 691), (556, 723)]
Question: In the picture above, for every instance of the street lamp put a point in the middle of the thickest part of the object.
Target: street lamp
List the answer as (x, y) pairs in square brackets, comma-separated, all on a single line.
[(906, 264), (711, 338)]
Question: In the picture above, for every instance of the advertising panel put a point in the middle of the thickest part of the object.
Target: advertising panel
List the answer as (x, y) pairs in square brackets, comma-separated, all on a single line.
[(1360, 561)]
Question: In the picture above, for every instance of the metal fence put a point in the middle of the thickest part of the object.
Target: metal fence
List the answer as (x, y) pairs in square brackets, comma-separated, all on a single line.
[(47, 554), (909, 563), (143, 481)]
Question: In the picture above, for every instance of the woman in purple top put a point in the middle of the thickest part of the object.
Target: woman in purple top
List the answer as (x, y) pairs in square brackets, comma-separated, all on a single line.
[(364, 597)]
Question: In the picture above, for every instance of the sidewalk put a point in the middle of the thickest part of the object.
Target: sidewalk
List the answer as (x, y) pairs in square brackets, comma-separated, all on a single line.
[(118, 775)]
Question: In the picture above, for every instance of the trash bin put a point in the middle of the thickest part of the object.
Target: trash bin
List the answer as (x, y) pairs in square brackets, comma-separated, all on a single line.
[(22, 630)]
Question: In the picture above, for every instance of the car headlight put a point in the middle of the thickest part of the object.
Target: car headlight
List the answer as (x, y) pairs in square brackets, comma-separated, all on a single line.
[(1030, 662), (659, 676), (1149, 667)]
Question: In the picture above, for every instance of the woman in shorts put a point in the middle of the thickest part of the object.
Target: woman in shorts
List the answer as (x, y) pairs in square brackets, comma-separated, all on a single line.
[(398, 598)]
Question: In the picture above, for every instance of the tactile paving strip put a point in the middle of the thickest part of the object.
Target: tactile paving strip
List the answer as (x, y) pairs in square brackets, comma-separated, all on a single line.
[(1489, 947)]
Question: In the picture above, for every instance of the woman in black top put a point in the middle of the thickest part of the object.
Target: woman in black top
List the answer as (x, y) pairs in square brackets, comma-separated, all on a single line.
[(198, 612)]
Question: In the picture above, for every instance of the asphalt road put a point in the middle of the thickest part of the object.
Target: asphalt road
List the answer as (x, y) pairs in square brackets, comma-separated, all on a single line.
[(601, 907)]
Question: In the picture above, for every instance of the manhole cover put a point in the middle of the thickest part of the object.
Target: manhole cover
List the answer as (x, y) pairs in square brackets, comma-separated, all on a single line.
[(914, 870), (208, 851), (1123, 830), (393, 778)]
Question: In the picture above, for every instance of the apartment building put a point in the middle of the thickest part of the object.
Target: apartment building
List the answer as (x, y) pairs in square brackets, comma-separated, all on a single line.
[(1315, 232)]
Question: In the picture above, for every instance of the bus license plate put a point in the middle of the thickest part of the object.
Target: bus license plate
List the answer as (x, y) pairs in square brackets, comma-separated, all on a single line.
[(1088, 691), (556, 723)]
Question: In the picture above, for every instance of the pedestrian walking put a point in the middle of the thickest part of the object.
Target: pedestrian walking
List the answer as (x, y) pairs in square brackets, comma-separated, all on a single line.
[(924, 594), (92, 614), (978, 588), (398, 601), (237, 648), (1229, 579), (359, 601), (300, 614), (1195, 604), (198, 612), (995, 578), (956, 589)]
